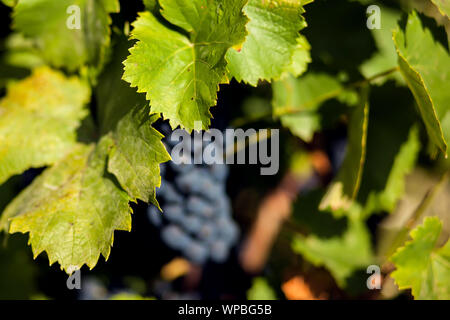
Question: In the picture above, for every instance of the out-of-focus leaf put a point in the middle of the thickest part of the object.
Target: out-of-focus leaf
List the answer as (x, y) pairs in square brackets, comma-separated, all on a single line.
[(296, 101), (386, 56), (261, 290), (344, 189), (38, 120), (151, 5), (72, 210), (10, 3), (273, 44), (46, 23), (425, 65), (392, 148), (421, 266), (443, 6), (129, 296), (181, 74), (342, 255)]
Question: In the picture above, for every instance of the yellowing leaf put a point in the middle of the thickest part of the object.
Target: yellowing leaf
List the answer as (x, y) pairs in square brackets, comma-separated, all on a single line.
[(421, 266), (181, 74), (72, 210), (38, 120)]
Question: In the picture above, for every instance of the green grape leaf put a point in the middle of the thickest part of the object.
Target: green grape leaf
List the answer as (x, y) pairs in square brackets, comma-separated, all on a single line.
[(344, 189), (38, 120), (443, 6), (72, 210), (383, 180), (47, 23), (425, 65), (342, 255), (272, 44), (180, 74), (135, 155), (421, 266), (295, 101)]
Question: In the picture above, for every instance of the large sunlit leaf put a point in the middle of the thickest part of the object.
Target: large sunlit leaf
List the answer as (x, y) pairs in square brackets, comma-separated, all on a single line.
[(273, 43), (38, 120), (46, 22), (72, 210), (421, 265), (181, 74), (425, 65)]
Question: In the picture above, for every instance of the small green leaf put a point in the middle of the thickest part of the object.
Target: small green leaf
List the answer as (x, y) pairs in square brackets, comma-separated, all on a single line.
[(425, 65), (421, 266), (135, 155), (38, 120), (72, 210), (180, 74), (272, 44), (296, 101), (45, 21), (344, 189), (386, 56)]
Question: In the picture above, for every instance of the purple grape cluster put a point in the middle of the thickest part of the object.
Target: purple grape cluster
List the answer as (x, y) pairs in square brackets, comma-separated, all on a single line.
[(197, 217)]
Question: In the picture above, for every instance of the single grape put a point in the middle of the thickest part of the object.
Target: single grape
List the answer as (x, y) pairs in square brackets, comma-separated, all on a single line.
[(192, 223), (175, 237), (198, 206), (219, 251), (154, 216), (190, 182), (173, 213), (169, 193), (228, 229), (197, 252), (219, 171), (208, 232)]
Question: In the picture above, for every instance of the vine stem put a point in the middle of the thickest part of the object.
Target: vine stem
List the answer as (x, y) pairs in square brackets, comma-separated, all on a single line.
[(289, 111)]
